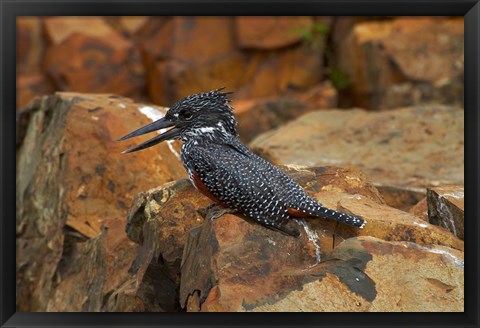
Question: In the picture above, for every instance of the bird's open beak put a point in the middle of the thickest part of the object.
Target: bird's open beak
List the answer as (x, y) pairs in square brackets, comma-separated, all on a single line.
[(157, 125)]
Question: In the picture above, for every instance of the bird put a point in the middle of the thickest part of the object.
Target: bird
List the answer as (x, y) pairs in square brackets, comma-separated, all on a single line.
[(228, 172)]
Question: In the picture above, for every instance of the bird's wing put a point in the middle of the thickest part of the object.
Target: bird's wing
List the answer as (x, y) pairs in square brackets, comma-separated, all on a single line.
[(239, 180)]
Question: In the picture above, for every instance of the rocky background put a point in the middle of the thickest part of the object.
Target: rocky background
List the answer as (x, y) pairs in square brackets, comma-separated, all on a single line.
[(365, 113)]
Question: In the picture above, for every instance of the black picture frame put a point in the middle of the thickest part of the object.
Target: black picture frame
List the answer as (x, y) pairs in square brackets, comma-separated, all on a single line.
[(10, 9)]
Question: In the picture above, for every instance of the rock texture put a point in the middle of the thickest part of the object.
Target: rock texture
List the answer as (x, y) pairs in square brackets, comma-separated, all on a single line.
[(232, 264), (260, 115), (405, 149), (367, 274), (446, 208), (404, 61), (71, 175), (89, 272), (87, 55), (178, 64)]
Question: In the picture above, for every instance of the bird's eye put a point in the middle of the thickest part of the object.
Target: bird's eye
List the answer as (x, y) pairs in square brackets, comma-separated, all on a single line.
[(187, 115)]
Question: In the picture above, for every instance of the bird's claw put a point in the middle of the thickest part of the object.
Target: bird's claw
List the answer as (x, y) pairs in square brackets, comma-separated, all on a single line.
[(214, 211)]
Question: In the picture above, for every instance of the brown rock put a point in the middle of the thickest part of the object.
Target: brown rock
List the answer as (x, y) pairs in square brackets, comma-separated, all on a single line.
[(178, 64), (404, 61), (92, 270), (59, 29), (158, 221), (70, 171), (273, 73), (260, 115), (420, 210), (270, 32), (366, 274), (446, 208), (179, 45), (87, 55), (30, 44), (409, 148), (30, 86), (388, 223), (231, 261)]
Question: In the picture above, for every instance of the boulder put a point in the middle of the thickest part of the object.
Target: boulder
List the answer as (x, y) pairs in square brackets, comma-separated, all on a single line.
[(71, 173), (271, 32), (259, 115), (176, 66), (404, 149), (366, 274), (86, 54), (404, 61), (234, 264), (446, 208)]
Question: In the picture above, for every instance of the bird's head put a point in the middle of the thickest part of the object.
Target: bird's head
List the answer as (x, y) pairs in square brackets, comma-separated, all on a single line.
[(204, 115)]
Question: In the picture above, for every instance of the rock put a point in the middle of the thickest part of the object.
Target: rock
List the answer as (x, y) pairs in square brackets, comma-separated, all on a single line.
[(70, 172), (231, 261), (233, 264), (366, 274), (446, 208), (260, 115), (87, 55), (407, 149), (420, 210), (30, 86), (177, 67), (90, 271), (273, 73), (172, 49), (158, 221), (388, 223), (404, 61), (30, 45), (270, 32)]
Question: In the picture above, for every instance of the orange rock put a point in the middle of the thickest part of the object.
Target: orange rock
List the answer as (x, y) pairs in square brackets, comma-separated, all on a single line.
[(270, 32), (403, 149), (87, 55), (391, 224), (419, 54), (59, 29), (30, 44), (70, 171), (420, 210), (262, 114), (176, 57), (178, 63), (30, 86)]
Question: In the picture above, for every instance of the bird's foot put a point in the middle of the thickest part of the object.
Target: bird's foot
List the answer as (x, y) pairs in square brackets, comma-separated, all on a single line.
[(214, 211)]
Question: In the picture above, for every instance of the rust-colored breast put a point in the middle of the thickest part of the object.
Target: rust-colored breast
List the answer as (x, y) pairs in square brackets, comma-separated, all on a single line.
[(297, 214), (204, 190)]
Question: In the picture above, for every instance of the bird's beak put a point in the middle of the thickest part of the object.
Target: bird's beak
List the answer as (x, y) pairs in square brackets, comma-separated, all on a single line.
[(157, 125)]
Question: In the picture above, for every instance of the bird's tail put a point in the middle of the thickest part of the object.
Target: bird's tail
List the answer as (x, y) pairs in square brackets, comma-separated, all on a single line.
[(317, 210)]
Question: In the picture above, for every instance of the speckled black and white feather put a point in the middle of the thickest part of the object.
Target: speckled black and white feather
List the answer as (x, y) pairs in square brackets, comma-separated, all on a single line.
[(242, 180)]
